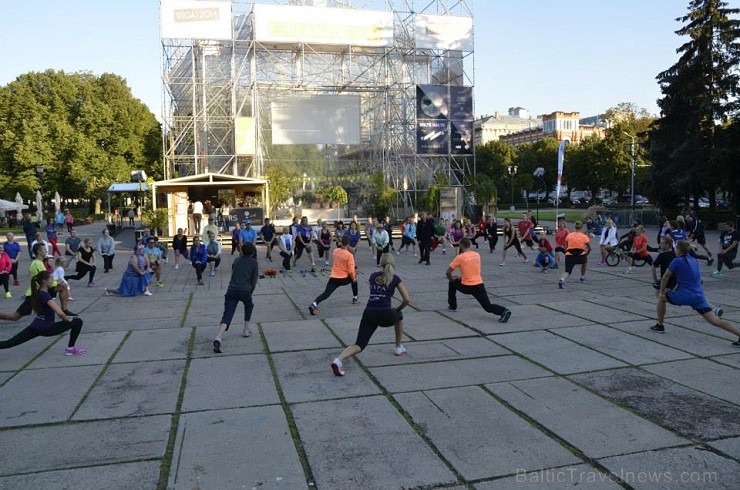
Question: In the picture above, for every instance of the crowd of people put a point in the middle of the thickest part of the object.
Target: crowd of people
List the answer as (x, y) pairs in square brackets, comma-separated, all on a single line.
[(675, 270)]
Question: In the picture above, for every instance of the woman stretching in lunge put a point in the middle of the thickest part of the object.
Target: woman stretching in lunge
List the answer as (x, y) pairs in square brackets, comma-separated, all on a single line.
[(378, 312), (510, 240), (43, 325)]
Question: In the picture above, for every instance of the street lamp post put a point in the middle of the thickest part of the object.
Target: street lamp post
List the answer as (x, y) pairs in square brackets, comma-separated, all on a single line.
[(538, 173), (632, 181), (512, 169)]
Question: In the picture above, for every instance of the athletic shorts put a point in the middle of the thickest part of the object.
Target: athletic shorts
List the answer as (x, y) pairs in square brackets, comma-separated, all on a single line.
[(684, 298)]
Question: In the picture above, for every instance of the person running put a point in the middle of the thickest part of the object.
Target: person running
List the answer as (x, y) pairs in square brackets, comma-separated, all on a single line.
[(6, 265), (286, 247), (577, 248), (136, 278), (511, 240), (13, 249), (85, 263), (409, 236), (381, 241), (560, 234), (728, 240), (43, 325), (268, 234), (379, 312), (107, 250), (243, 282), (470, 281), (639, 249), (689, 292), (199, 258), (608, 240), (342, 273), (180, 246), (695, 231)]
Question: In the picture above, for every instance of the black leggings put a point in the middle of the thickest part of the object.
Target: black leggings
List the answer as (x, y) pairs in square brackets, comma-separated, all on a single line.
[(216, 261), (83, 269), (107, 262), (4, 281), (492, 241), (371, 320), (478, 292), (199, 268), (286, 260), (74, 327), (333, 284), (385, 250), (516, 245), (726, 259), (14, 271)]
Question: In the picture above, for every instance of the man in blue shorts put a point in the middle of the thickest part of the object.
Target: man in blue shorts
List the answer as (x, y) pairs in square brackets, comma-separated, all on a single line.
[(689, 292)]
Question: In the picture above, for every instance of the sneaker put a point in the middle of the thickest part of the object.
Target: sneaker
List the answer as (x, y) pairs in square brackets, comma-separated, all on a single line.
[(737, 342), (414, 255), (505, 316), (658, 328), (312, 309), (502, 264), (326, 263), (444, 252), (8, 295), (91, 284), (74, 351), (450, 308), (106, 292), (213, 273), (656, 285), (217, 346), (69, 313), (200, 282), (336, 366), (710, 261), (716, 274), (400, 350), (148, 293), (526, 260), (160, 284), (246, 331), (582, 279), (70, 298), (544, 269), (355, 301), (177, 266), (718, 311), (398, 252), (16, 283), (561, 283), (556, 266)]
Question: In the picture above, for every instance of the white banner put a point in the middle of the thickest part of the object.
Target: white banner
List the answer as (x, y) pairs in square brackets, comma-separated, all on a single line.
[(244, 135), (443, 32), (561, 162), (322, 25), (196, 19)]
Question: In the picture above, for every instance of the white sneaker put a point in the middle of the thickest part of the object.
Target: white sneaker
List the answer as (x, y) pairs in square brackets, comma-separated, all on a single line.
[(326, 263), (717, 311), (502, 264), (400, 350), (337, 367), (415, 255), (177, 266), (148, 293), (246, 331)]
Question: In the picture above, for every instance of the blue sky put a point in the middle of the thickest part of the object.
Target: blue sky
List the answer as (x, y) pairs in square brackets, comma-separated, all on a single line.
[(544, 55)]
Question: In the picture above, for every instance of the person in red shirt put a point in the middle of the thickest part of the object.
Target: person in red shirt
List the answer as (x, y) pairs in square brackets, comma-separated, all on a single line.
[(525, 228), (639, 249), (560, 235), (577, 248), (342, 273), (545, 260), (470, 281)]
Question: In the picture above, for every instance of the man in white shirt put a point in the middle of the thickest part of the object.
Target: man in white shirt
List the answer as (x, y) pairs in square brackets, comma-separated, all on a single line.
[(380, 241), (197, 215)]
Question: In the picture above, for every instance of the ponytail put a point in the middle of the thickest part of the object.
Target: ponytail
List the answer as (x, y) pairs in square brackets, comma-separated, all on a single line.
[(388, 263), (35, 286)]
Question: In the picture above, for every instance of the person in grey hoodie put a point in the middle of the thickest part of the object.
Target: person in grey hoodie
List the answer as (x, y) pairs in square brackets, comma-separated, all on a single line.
[(107, 249)]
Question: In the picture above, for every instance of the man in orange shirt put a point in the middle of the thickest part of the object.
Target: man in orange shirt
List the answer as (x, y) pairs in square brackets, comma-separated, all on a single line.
[(471, 281), (342, 273), (577, 248)]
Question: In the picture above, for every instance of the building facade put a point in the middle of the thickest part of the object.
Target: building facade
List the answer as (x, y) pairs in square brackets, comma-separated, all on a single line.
[(493, 127), (559, 125)]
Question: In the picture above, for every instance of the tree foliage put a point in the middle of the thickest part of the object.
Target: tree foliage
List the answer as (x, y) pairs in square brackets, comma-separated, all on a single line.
[(700, 97), (87, 132)]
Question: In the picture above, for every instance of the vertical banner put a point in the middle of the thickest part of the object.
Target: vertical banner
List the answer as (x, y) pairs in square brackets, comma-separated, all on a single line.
[(444, 120), (561, 161)]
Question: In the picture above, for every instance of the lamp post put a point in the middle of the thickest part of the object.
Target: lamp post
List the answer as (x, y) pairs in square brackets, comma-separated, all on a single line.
[(512, 169), (632, 182), (538, 173)]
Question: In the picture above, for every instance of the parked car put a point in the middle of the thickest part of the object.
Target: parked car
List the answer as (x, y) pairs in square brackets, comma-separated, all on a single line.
[(703, 202), (641, 200), (722, 204)]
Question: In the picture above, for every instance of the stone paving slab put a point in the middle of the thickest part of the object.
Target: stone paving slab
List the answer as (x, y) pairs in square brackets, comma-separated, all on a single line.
[(215, 451), (702, 375), (57, 391), (431, 325), (680, 338), (106, 325), (674, 406), (433, 350), (591, 311), (99, 345), (307, 376), (13, 359), (730, 360), (556, 353), (229, 382), (501, 444), (608, 430), (159, 344), (134, 389), (561, 478), (232, 342), (122, 476), (371, 446), (291, 336), (465, 372), (101, 442), (346, 328), (623, 346), (729, 446), (690, 467)]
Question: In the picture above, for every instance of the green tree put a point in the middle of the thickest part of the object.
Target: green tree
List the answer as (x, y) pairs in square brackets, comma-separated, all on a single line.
[(281, 185), (87, 131), (701, 91)]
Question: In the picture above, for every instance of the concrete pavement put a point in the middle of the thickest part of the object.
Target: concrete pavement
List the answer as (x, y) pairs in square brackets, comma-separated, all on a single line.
[(574, 390)]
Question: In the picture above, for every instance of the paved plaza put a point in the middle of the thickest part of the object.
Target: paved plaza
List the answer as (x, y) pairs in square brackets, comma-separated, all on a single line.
[(574, 391)]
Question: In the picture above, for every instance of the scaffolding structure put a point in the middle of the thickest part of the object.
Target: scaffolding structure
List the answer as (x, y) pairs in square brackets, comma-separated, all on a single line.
[(209, 84)]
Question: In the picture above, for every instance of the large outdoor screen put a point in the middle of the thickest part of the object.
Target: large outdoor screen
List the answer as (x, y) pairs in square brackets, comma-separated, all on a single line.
[(316, 119)]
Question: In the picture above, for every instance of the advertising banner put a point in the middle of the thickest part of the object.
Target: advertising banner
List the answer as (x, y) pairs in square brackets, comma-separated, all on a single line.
[(196, 19), (255, 215), (444, 120), (244, 135), (443, 32), (461, 137), (432, 102), (322, 25)]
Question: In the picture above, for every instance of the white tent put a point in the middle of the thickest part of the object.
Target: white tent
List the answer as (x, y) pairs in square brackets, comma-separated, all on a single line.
[(11, 206)]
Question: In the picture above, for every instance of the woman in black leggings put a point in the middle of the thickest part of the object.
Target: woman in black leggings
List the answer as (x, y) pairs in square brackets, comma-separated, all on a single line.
[(44, 325), (510, 240), (85, 263)]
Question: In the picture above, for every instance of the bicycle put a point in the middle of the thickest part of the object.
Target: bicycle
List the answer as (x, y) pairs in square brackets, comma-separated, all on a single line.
[(618, 254)]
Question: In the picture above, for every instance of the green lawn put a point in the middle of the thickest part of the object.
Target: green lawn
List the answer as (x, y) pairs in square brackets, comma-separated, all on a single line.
[(548, 214)]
